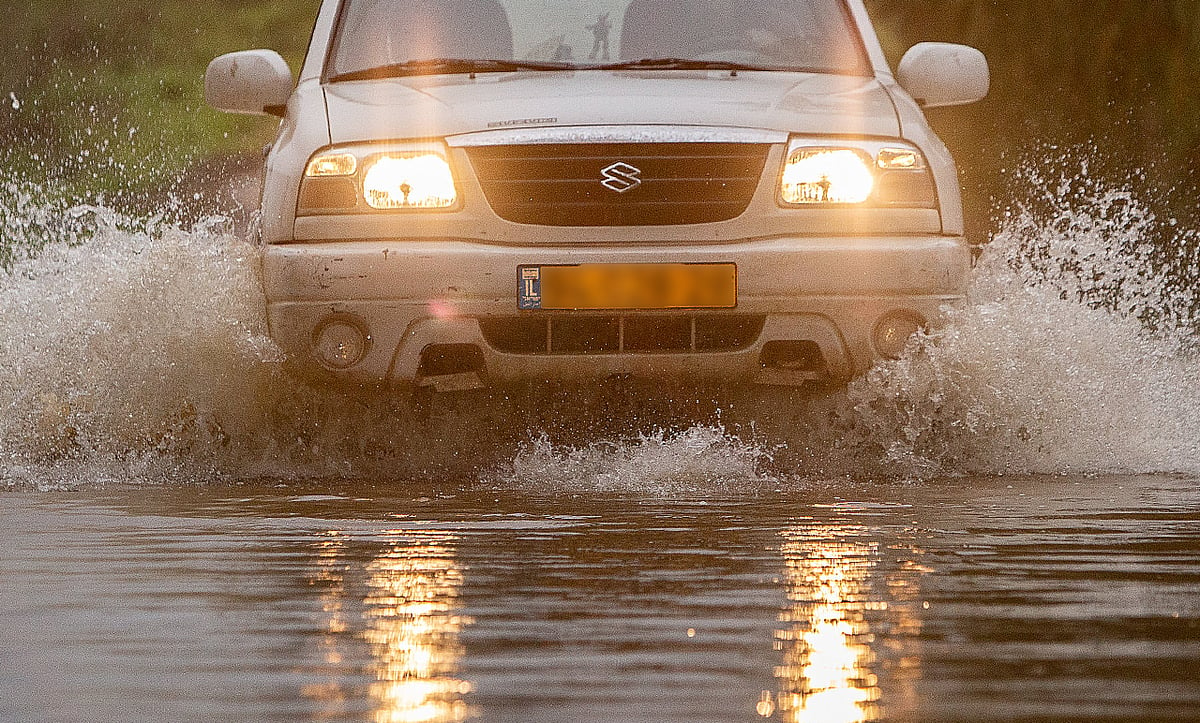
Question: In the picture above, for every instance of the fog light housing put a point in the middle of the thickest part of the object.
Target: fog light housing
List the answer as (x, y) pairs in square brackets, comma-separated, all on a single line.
[(893, 331), (340, 342)]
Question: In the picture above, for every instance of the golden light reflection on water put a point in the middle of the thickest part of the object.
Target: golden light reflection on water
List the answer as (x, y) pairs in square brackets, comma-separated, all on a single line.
[(409, 621), (826, 675), (329, 572), (414, 626)]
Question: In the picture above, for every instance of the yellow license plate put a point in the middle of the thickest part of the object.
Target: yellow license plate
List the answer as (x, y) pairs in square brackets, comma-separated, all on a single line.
[(629, 286)]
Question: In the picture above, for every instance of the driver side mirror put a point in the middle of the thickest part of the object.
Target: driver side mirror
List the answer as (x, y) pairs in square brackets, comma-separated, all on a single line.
[(943, 74), (254, 82)]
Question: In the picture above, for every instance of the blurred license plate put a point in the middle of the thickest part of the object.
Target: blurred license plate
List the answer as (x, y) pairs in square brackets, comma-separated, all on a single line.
[(629, 286)]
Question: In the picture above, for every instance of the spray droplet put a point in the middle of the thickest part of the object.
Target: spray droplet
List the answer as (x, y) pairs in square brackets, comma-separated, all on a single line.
[(16, 103)]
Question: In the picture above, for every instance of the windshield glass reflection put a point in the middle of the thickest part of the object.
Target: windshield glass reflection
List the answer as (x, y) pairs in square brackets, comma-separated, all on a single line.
[(402, 36)]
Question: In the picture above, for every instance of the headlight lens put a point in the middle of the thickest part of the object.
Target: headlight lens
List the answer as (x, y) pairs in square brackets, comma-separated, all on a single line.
[(386, 177), (867, 173), (419, 180), (332, 164), (900, 159), (827, 175)]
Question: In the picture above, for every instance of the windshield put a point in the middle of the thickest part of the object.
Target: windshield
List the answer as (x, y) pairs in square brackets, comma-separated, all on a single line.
[(401, 37)]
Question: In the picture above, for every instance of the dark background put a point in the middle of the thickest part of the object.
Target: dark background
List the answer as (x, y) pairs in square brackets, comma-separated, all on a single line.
[(1110, 84)]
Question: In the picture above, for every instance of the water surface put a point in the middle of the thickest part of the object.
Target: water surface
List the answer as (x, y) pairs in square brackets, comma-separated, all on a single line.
[(1052, 598)]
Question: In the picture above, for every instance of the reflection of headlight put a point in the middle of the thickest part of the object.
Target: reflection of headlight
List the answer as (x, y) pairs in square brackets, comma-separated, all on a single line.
[(388, 177), (827, 175), (409, 181)]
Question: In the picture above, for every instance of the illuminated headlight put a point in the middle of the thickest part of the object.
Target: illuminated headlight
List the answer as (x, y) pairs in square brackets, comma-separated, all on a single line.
[(827, 175), (409, 181), (386, 177), (332, 164), (867, 173)]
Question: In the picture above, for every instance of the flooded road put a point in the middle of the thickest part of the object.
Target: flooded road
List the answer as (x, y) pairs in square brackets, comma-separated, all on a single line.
[(981, 598)]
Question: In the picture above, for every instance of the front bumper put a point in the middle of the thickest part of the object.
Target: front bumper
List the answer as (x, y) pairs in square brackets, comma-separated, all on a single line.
[(414, 296)]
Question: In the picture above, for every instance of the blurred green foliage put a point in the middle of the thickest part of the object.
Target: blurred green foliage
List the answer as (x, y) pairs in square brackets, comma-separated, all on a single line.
[(108, 95)]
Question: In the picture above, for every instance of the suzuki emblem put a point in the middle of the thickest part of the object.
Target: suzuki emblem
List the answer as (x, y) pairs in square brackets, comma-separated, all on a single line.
[(621, 177)]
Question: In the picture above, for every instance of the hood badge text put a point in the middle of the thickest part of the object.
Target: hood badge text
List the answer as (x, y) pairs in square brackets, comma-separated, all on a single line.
[(522, 122)]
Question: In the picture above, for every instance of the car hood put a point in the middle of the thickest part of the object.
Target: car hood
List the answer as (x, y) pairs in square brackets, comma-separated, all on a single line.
[(445, 105)]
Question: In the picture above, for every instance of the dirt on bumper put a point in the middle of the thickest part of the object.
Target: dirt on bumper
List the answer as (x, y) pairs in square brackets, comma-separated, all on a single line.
[(421, 303)]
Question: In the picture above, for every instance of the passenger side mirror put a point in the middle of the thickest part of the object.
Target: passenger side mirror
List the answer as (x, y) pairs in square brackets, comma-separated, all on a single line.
[(255, 82), (943, 74)]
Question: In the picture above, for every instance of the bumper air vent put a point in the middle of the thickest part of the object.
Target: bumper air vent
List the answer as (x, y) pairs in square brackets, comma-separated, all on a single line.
[(627, 334)]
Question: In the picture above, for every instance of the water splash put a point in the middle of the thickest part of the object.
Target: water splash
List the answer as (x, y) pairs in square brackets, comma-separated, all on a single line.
[(700, 459), (130, 347), (1075, 351), (137, 351)]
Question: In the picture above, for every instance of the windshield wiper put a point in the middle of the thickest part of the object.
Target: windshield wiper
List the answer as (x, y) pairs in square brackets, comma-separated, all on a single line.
[(437, 66), (679, 64)]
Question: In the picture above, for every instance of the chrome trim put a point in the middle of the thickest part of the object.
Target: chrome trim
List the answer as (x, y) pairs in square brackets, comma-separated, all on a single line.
[(615, 134), (621, 177)]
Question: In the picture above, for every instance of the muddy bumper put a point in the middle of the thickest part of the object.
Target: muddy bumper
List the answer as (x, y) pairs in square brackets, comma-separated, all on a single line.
[(446, 313)]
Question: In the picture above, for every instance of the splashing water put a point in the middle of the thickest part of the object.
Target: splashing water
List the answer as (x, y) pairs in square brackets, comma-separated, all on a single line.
[(138, 352), (1073, 353), (131, 348), (695, 460)]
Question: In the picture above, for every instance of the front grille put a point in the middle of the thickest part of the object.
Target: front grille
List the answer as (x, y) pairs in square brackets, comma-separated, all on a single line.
[(562, 184), (571, 334)]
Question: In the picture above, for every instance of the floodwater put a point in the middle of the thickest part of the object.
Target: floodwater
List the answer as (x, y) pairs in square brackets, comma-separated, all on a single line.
[(1002, 525), (1051, 598)]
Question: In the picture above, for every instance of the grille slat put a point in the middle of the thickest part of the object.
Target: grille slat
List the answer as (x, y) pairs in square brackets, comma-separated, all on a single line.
[(575, 194), (589, 167), (591, 182), (562, 184)]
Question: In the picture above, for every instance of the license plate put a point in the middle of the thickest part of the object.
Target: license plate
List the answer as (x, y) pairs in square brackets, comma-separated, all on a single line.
[(628, 286)]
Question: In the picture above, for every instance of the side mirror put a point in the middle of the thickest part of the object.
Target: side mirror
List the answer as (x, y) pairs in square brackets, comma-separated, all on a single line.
[(256, 82), (942, 74)]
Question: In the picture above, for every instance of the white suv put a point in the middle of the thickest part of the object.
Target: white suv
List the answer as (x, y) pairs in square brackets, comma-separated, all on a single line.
[(465, 192)]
